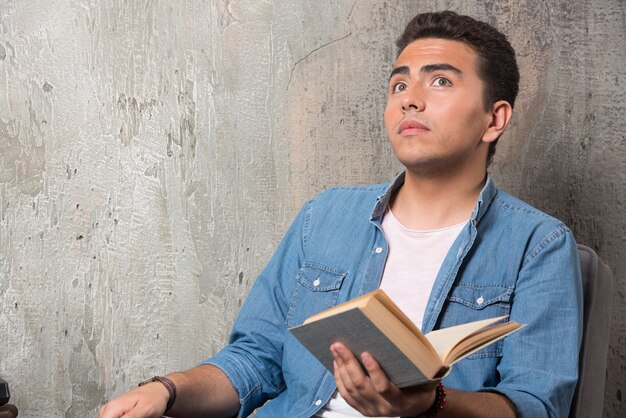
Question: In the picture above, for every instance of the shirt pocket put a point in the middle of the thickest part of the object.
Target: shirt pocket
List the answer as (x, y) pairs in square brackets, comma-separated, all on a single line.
[(317, 289), (469, 303)]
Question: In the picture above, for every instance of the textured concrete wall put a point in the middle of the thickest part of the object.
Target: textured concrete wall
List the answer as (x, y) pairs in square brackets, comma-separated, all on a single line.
[(153, 152)]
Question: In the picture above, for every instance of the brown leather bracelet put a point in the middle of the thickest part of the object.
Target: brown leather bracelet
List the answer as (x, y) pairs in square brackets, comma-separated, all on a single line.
[(169, 385)]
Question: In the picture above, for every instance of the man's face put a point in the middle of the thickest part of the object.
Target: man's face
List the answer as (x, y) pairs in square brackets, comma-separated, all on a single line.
[(435, 116)]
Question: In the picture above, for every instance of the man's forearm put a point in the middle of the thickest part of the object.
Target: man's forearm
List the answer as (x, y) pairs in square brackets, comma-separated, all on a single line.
[(203, 391), (477, 405)]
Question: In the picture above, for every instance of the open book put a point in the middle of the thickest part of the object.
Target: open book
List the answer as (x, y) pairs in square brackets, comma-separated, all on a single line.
[(375, 324)]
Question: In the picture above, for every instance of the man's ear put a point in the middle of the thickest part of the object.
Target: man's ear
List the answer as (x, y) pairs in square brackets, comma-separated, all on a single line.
[(501, 112)]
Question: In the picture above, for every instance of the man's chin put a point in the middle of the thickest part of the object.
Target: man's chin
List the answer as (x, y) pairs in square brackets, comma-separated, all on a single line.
[(426, 166)]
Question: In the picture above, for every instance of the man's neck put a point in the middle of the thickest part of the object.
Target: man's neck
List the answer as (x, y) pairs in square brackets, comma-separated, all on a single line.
[(426, 203)]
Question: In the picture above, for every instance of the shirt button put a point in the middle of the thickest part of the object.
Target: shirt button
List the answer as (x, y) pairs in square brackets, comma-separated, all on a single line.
[(378, 250), (318, 402), (480, 300), (316, 282)]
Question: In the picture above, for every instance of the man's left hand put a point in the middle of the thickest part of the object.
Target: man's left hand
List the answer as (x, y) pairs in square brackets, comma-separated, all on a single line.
[(372, 393)]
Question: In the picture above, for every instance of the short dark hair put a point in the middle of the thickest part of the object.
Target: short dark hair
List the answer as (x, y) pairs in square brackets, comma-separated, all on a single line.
[(497, 67)]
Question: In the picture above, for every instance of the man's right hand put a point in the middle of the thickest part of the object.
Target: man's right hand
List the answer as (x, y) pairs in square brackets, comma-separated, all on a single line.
[(147, 401), (203, 391)]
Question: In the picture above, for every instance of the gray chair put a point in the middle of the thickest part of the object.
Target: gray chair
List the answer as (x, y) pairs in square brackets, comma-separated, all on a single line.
[(597, 291)]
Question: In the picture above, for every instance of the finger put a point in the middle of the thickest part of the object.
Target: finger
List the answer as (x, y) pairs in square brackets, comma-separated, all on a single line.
[(116, 410), (341, 387), (131, 405), (342, 376), (378, 377), (345, 386), (351, 370), (353, 381), (398, 399), (142, 411), (355, 386), (112, 409), (351, 396)]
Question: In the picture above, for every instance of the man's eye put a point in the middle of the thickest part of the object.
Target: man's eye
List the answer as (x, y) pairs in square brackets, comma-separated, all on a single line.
[(442, 82), (398, 87)]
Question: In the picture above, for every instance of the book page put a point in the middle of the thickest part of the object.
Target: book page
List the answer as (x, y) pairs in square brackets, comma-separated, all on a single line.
[(480, 340), (382, 297), (443, 340)]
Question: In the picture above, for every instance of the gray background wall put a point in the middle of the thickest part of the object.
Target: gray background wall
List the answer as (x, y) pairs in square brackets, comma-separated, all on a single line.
[(153, 152)]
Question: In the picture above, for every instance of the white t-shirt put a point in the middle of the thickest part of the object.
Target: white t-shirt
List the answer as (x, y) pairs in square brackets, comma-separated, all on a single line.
[(412, 265)]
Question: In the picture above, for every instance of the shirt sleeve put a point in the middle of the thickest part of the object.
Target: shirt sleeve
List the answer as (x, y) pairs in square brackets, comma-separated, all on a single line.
[(252, 359), (539, 365)]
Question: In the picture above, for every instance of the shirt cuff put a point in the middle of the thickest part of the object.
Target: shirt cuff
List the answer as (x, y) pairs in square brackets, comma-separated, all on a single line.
[(249, 392), (526, 405)]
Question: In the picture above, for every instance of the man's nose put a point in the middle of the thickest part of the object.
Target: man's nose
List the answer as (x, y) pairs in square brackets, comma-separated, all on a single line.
[(412, 100)]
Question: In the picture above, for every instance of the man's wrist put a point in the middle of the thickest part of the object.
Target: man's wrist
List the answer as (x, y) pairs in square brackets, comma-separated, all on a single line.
[(437, 405), (169, 385)]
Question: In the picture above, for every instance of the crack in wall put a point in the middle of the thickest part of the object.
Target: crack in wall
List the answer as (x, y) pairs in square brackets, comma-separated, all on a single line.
[(311, 53)]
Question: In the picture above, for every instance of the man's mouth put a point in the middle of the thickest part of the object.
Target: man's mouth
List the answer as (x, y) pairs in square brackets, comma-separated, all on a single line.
[(412, 127)]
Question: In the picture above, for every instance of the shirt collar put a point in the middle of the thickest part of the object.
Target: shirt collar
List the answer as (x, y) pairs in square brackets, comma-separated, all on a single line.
[(382, 201), (485, 198)]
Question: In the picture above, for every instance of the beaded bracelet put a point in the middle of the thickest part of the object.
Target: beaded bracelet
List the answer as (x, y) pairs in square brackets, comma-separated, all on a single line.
[(440, 401), (169, 385)]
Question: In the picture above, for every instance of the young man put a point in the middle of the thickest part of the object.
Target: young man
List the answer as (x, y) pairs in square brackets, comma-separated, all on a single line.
[(440, 239)]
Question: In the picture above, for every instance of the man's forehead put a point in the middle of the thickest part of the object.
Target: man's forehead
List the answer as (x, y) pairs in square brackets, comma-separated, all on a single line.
[(427, 54), (426, 49)]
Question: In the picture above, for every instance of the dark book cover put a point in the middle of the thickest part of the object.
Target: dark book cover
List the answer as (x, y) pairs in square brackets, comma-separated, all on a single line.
[(358, 333)]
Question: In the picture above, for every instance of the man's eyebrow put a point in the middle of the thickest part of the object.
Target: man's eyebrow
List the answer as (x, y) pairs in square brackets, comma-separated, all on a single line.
[(400, 70), (426, 69), (431, 68)]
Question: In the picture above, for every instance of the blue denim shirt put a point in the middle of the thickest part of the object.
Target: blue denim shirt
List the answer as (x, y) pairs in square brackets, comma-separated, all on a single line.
[(510, 259)]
